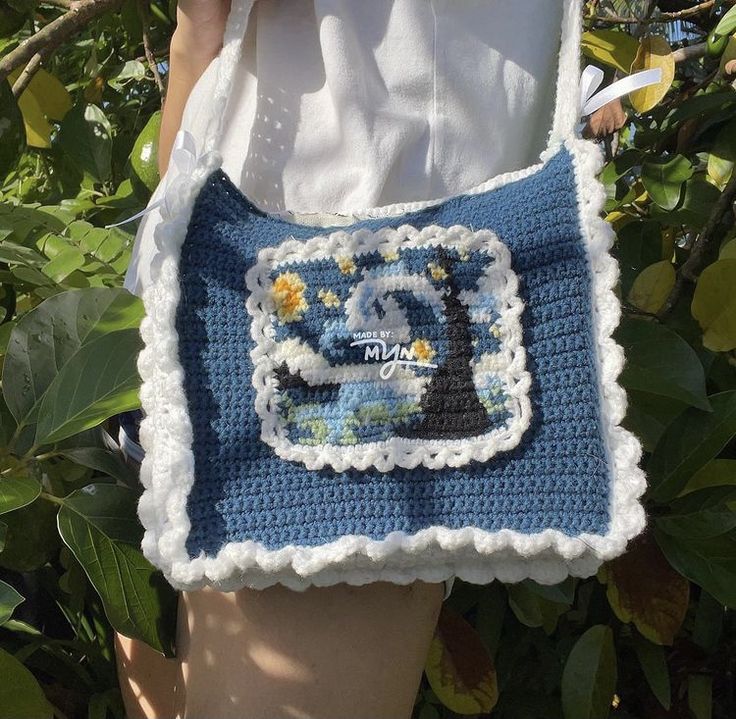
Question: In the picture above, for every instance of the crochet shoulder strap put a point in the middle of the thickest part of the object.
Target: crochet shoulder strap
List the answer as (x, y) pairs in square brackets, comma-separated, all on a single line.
[(567, 104)]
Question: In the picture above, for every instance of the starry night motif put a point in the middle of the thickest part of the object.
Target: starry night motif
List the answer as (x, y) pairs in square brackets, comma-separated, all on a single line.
[(399, 348)]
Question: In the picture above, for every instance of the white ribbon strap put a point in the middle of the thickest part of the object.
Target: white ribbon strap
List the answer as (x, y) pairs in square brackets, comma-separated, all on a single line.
[(184, 161), (591, 80)]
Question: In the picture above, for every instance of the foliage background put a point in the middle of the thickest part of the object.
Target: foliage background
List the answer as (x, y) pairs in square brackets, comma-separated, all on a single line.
[(652, 636)]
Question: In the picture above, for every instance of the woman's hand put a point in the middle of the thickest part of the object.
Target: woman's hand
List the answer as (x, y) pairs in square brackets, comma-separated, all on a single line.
[(195, 43)]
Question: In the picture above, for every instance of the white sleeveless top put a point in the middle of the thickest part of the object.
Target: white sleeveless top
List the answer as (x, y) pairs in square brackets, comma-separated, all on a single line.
[(347, 104)]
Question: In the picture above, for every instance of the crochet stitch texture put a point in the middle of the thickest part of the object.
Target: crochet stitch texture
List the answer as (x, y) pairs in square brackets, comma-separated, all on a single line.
[(557, 476), (251, 482)]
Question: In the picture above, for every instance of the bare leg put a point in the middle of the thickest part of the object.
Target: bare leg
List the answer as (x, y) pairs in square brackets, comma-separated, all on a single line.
[(148, 680), (327, 653)]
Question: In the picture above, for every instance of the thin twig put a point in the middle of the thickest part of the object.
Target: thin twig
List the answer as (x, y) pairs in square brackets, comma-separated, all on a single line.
[(50, 36), (24, 79), (65, 4), (646, 17), (689, 52), (145, 22), (702, 248), (659, 18)]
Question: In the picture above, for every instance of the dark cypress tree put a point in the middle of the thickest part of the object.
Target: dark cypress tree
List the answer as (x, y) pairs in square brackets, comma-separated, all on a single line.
[(451, 406)]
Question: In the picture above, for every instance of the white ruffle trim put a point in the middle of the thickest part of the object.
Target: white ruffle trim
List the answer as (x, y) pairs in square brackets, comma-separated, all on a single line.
[(433, 554)]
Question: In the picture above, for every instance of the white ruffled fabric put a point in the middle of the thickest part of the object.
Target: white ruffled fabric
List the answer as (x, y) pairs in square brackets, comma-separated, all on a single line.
[(339, 105)]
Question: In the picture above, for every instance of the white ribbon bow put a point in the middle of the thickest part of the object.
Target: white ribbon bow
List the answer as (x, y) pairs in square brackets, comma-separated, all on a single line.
[(591, 80), (184, 161)]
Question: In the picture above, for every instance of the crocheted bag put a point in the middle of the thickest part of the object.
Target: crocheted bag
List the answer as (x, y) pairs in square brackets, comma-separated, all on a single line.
[(430, 391)]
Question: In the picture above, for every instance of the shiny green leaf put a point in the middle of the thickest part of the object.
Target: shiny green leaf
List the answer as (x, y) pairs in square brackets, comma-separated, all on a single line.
[(46, 339), (660, 362), (17, 492), (690, 442), (86, 138), (654, 666), (652, 287), (9, 600), (589, 677), (710, 563), (99, 524), (714, 305), (21, 696), (99, 381), (663, 179)]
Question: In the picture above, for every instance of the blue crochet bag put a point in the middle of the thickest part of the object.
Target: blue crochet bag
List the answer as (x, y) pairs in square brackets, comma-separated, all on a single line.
[(430, 391)]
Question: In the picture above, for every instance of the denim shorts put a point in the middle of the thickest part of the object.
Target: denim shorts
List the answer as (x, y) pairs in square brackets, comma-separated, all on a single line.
[(129, 441)]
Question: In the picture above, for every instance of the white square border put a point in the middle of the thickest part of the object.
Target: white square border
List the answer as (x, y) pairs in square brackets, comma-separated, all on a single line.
[(394, 452)]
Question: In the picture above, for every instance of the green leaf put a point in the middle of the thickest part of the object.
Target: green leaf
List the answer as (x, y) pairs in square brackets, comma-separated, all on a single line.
[(30, 223), (46, 339), (710, 563), (663, 179), (12, 133), (3, 535), (18, 254), (639, 244), (701, 514), (102, 460), (63, 264), (490, 614), (728, 251), (648, 415), (101, 380), (17, 492), (723, 155), (610, 47), (708, 626), (696, 206), (690, 442), (700, 696), (726, 26), (9, 600), (31, 539), (98, 523), (86, 138), (130, 70), (699, 106), (714, 305), (589, 677), (717, 473), (660, 362), (532, 610), (21, 696), (654, 666), (652, 287)]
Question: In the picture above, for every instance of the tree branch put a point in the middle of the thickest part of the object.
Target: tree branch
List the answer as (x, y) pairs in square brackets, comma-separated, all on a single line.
[(26, 76), (689, 52), (144, 17), (703, 246), (50, 36), (661, 17)]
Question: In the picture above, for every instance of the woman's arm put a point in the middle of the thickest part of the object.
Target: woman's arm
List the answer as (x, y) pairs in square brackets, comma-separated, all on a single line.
[(195, 43)]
